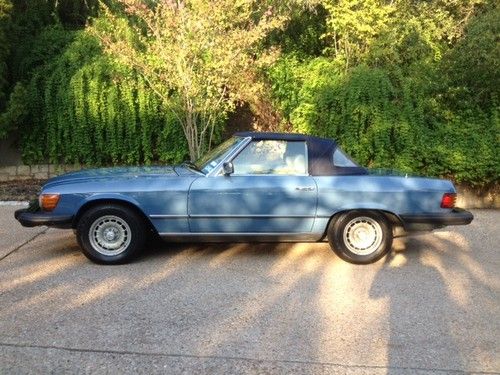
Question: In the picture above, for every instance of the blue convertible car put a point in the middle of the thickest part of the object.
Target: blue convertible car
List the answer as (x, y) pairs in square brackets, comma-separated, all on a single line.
[(253, 187)]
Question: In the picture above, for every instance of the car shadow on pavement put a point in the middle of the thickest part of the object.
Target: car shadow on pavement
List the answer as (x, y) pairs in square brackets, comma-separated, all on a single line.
[(160, 249)]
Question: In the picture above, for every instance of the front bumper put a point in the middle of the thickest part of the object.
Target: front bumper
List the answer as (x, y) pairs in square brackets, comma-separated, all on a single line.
[(29, 218), (457, 216)]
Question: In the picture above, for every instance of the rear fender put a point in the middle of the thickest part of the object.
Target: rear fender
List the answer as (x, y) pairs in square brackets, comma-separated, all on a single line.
[(393, 218)]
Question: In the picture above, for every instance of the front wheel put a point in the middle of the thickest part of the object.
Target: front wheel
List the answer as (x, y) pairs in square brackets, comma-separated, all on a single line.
[(110, 234), (360, 237)]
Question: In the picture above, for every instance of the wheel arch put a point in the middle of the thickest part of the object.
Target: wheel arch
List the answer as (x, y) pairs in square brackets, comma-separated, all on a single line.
[(113, 200), (393, 218)]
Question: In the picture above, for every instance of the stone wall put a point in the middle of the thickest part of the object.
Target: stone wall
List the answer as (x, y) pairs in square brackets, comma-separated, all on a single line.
[(39, 172), (469, 197)]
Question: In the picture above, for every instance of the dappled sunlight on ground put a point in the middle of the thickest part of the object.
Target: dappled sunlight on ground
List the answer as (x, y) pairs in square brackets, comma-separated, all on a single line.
[(432, 303), (33, 273), (165, 269), (349, 323), (97, 291), (303, 255), (32, 301)]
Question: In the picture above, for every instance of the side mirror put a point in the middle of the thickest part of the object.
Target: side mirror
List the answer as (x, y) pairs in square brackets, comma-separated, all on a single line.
[(228, 168)]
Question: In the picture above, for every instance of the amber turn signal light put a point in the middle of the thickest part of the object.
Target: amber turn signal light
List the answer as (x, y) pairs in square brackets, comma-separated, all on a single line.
[(49, 201), (448, 200)]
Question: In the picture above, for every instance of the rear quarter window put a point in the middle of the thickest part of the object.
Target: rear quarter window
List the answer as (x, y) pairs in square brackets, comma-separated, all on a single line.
[(342, 160)]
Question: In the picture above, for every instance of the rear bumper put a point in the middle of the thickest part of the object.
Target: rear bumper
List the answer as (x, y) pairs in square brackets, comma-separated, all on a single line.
[(33, 219), (457, 216)]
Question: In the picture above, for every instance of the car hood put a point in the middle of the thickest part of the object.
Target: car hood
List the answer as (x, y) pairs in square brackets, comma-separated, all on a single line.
[(113, 173)]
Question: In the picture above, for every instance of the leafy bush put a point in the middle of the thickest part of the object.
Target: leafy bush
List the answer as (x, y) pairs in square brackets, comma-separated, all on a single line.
[(5, 10), (81, 106), (385, 120), (412, 85)]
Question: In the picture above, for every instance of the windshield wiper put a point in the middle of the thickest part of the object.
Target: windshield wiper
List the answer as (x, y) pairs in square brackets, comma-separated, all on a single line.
[(191, 165)]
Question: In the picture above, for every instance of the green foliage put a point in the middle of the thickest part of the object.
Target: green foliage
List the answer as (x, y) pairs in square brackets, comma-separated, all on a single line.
[(195, 53), (473, 66), (465, 148), (354, 25), (409, 85), (303, 33), (386, 120), (5, 10), (16, 111), (30, 18), (41, 50), (80, 106), (404, 84)]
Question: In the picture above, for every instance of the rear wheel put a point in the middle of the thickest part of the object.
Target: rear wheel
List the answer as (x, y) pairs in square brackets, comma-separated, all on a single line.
[(360, 237), (110, 234)]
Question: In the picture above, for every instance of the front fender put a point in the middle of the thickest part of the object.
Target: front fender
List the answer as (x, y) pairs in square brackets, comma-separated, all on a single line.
[(118, 197)]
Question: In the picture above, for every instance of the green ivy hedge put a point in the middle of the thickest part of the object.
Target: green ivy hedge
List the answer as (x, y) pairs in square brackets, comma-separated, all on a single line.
[(82, 107), (78, 106), (387, 120)]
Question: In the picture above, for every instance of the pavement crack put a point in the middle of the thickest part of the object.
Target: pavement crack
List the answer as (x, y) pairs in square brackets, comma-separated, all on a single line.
[(236, 358), (24, 243)]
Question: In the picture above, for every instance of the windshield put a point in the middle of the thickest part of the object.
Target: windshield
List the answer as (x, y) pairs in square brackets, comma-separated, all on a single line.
[(211, 159)]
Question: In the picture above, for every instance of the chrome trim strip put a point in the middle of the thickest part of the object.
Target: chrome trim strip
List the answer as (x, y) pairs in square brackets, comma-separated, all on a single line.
[(269, 175), (199, 216), (203, 216), (236, 234), (168, 216)]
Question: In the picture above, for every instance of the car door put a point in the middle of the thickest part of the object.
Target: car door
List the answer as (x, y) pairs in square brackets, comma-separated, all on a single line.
[(269, 191)]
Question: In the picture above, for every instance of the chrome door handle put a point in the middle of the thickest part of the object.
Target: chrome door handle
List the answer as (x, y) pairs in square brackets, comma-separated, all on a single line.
[(305, 188)]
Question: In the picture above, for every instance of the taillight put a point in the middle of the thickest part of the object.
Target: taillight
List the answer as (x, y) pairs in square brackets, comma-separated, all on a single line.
[(448, 200), (49, 201)]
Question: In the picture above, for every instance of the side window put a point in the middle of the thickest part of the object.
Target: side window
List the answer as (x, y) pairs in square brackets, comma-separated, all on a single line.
[(272, 157)]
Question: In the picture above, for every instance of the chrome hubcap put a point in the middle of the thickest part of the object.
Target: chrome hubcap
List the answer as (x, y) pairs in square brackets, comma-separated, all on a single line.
[(110, 235), (362, 235)]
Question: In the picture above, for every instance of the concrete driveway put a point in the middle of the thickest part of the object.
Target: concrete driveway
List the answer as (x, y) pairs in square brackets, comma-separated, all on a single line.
[(432, 307)]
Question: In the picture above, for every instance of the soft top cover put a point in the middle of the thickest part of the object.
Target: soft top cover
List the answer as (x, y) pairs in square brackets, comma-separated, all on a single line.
[(320, 152)]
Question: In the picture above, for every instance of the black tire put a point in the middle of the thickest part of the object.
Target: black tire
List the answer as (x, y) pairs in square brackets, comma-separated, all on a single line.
[(129, 233), (344, 235)]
